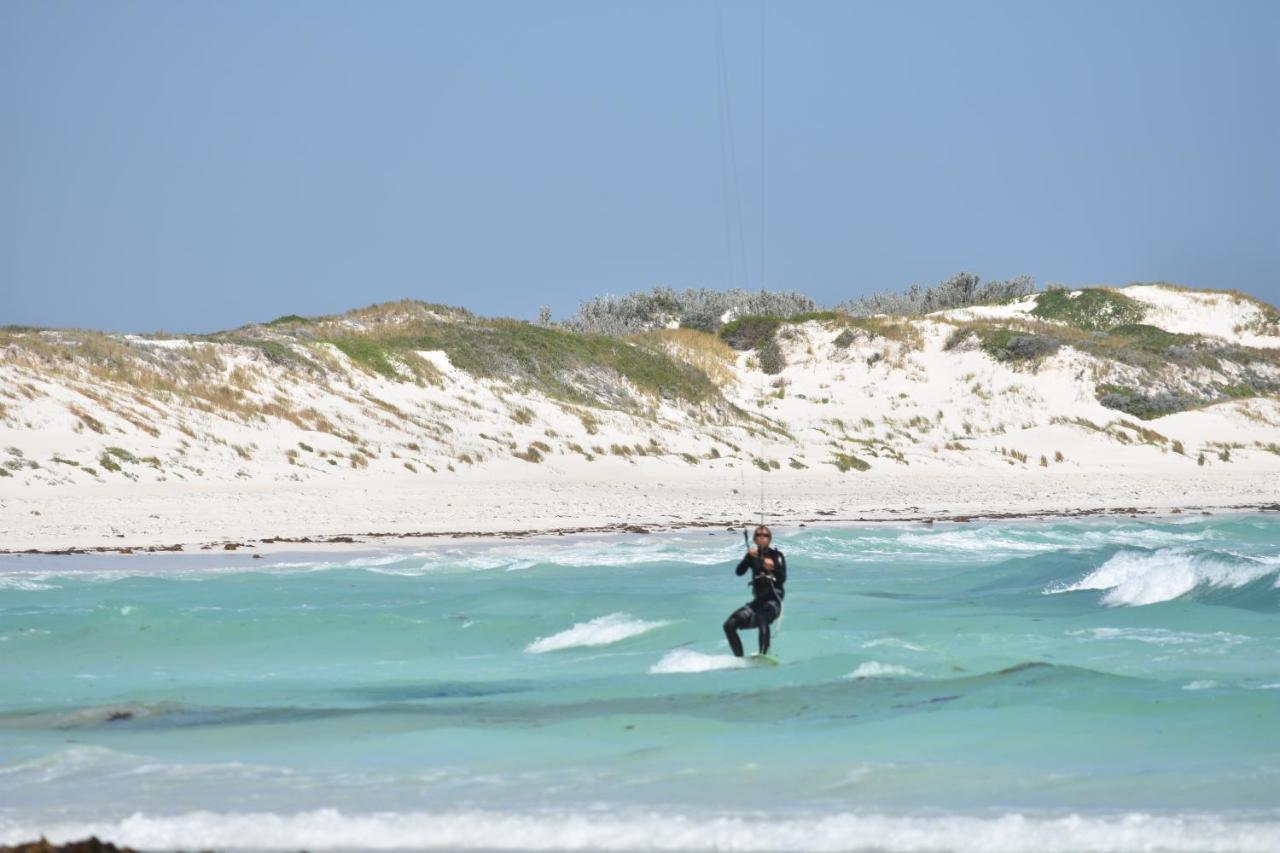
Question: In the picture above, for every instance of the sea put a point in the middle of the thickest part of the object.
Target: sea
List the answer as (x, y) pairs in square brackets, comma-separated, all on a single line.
[(1101, 684)]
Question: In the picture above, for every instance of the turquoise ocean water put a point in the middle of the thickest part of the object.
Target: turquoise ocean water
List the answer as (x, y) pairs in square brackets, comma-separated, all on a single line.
[(1105, 684)]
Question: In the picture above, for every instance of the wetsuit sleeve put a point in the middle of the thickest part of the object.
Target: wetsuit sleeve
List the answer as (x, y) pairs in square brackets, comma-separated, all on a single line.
[(780, 567), (743, 566)]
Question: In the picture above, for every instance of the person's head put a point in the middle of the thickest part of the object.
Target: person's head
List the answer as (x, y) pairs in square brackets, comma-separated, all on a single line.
[(764, 536)]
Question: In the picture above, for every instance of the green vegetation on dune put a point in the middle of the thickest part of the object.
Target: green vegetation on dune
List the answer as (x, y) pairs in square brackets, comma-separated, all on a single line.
[(751, 332), (1167, 362), (1006, 344), (1092, 309), (567, 365), (1151, 337)]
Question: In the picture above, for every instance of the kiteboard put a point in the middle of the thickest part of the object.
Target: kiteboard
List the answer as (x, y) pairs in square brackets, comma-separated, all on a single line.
[(763, 660)]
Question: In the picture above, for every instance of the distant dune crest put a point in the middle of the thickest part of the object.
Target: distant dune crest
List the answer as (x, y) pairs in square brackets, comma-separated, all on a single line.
[(1149, 376)]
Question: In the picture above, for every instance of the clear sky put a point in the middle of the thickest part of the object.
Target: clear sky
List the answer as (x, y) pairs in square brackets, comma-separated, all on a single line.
[(194, 166)]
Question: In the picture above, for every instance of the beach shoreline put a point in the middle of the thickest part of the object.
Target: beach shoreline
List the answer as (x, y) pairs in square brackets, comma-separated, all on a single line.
[(264, 518)]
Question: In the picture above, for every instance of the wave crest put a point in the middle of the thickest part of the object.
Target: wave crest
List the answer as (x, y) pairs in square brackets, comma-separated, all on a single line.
[(1137, 578), (875, 669), (601, 631)]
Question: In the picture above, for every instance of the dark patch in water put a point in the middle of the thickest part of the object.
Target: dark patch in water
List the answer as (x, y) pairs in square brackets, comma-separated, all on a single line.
[(1023, 667), (438, 690)]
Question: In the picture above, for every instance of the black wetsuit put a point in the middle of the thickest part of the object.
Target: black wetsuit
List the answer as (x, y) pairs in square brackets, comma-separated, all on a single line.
[(767, 592)]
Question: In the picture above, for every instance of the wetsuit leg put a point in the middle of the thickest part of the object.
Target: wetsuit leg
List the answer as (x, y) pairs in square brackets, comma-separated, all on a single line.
[(765, 614), (743, 617)]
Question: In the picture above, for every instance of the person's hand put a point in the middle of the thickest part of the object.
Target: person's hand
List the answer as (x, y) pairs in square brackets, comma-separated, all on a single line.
[(752, 551)]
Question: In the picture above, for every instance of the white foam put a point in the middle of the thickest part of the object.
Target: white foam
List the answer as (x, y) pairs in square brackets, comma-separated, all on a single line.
[(24, 584), (684, 660), (1134, 578), (875, 669), (892, 641), (1161, 636), (600, 631), (329, 829), (1201, 685)]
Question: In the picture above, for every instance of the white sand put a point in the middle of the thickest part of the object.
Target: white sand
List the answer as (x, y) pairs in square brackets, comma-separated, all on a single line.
[(157, 514), (945, 432)]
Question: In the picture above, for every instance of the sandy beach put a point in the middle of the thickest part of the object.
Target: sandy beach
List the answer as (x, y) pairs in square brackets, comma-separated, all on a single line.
[(142, 515)]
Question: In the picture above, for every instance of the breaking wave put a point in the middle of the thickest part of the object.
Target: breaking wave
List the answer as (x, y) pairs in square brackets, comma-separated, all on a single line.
[(601, 631), (1137, 578)]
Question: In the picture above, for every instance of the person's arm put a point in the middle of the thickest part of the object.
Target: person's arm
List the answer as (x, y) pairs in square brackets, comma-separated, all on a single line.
[(746, 564), (780, 567)]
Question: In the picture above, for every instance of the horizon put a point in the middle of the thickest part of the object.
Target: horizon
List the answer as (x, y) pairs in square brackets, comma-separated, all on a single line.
[(199, 167)]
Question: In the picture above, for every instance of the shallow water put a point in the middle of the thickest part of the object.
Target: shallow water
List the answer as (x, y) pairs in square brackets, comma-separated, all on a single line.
[(1053, 685)]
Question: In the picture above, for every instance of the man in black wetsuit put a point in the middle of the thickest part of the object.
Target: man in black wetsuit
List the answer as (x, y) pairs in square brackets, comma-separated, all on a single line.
[(768, 577)]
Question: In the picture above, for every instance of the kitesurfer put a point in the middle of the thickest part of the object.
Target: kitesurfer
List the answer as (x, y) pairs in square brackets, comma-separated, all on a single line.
[(768, 569)]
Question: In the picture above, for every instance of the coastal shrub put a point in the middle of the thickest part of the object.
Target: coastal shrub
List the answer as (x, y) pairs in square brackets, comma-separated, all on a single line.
[(750, 333), (1092, 309), (1140, 404), (845, 339), (701, 309), (1010, 345), (959, 291), (772, 361)]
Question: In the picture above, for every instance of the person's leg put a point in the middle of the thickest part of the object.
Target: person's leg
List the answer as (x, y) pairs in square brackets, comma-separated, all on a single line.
[(740, 618), (764, 618)]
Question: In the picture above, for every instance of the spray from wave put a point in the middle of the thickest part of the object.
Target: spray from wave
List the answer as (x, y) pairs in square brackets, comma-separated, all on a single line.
[(601, 631), (684, 660)]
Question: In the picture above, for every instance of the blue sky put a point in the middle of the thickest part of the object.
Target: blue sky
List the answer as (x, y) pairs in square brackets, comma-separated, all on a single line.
[(195, 166)]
